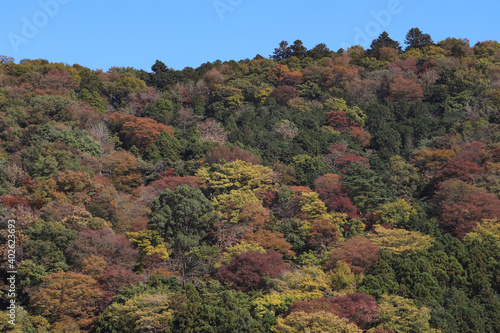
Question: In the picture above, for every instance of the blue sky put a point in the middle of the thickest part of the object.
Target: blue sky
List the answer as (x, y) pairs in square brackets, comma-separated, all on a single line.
[(99, 34)]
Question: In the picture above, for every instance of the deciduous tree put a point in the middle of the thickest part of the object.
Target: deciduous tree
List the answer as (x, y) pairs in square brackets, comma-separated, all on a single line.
[(115, 249), (271, 241), (247, 271), (69, 294), (314, 322), (358, 252), (399, 240)]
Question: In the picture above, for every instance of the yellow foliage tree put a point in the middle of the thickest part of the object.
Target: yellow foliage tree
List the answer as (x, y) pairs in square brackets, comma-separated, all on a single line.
[(397, 213), (484, 229), (399, 240), (236, 175), (263, 94), (402, 315), (320, 321), (230, 204), (303, 284), (149, 242), (308, 279), (311, 205), (280, 302), (144, 312), (404, 178), (241, 248), (343, 280)]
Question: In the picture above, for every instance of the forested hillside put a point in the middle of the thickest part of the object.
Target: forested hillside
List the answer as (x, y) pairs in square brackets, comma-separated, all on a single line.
[(336, 191)]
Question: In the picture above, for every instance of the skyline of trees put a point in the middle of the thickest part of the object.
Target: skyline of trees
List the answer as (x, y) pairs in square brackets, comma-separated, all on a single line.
[(355, 190)]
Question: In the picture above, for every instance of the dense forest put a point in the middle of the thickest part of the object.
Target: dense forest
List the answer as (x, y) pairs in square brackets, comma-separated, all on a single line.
[(310, 190)]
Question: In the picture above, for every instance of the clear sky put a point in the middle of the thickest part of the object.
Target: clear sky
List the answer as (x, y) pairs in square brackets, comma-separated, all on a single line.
[(102, 33)]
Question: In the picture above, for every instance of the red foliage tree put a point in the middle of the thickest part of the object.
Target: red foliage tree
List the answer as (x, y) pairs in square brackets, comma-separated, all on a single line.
[(165, 181), (458, 168), (462, 216), (116, 277), (86, 115), (406, 65), (247, 270), (277, 74), (358, 252), (274, 241), (465, 166), (115, 249), (59, 80), (293, 79), (336, 151), (283, 94), (142, 99), (331, 191), (359, 308), (218, 153), (346, 160), (360, 136), (338, 120), (405, 88)]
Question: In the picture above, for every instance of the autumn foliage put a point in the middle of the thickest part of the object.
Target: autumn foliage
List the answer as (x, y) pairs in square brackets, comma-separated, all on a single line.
[(135, 131), (247, 271), (310, 191), (358, 252)]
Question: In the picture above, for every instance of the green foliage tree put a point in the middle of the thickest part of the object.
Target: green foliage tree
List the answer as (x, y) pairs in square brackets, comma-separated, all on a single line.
[(182, 216), (365, 188), (214, 310), (308, 169), (383, 41), (416, 39)]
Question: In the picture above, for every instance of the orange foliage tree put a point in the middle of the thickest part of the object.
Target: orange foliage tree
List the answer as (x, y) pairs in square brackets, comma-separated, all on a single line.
[(274, 241), (69, 294), (123, 169), (135, 131)]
